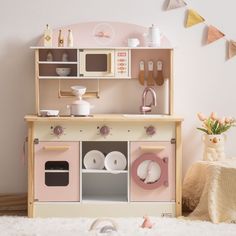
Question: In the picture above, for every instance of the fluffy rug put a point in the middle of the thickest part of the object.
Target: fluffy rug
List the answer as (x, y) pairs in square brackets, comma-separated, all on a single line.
[(21, 226)]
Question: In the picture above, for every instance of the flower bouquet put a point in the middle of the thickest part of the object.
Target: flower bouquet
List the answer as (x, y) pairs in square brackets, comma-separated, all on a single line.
[(214, 125)]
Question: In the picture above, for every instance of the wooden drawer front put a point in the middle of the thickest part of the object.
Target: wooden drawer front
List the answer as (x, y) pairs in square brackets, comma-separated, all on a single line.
[(161, 150), (57, 171)]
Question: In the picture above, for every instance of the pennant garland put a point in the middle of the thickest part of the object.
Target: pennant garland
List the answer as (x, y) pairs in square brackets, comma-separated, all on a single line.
[(232, 49), (173, 4), (193, 18), (213, 34)]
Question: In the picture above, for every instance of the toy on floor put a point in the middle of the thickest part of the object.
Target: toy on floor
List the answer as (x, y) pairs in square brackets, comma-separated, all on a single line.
[(147, 223), (104, 226)]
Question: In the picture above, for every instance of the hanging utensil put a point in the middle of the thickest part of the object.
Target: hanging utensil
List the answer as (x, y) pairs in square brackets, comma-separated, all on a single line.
[(150, 78), (160, 77), (141, 72)]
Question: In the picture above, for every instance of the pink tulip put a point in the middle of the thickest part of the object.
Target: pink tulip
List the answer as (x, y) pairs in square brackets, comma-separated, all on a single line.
[(222, 120), (228, 119), (201, 116), (213, 116)]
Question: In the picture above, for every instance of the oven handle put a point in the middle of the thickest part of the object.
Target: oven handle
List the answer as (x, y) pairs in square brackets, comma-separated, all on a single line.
[(152, 148), (56, 148)]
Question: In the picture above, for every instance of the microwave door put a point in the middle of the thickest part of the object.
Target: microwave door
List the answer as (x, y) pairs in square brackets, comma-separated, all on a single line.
[(97, 63)]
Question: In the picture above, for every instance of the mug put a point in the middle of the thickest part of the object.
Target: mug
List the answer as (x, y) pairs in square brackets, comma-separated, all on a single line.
[(133, 42)]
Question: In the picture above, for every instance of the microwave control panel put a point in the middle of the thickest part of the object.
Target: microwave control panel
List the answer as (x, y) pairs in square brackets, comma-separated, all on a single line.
[(122, 63)]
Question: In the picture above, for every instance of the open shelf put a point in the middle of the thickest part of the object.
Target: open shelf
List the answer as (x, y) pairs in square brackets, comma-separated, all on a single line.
[(105, 187), (116, 199), (57, 54)]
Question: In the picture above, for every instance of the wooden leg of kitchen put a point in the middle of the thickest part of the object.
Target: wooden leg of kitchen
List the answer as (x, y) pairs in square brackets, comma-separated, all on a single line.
[(30, 169), (178, 169)]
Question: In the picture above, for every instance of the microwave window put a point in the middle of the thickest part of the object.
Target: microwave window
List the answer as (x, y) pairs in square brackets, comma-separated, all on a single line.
[(96, 62)]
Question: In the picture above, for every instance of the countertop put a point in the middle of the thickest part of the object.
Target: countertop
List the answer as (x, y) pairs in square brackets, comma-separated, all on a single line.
[(109, 117)]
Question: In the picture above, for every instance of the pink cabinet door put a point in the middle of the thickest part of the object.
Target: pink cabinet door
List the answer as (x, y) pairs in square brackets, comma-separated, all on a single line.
[(57, 171), (162, 154)]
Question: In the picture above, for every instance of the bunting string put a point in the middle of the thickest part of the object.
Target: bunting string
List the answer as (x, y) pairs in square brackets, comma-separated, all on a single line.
[(194, 18)]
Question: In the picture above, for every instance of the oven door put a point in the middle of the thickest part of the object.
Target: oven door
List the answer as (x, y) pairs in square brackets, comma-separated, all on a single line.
[(96, 63), (57, 171)]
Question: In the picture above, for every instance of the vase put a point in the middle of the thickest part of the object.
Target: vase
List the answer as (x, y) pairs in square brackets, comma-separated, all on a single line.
[(214, 147)]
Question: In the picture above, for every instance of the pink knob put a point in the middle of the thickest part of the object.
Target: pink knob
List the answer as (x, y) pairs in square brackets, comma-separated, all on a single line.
[(58, 130), (150, 130), (104, 130)]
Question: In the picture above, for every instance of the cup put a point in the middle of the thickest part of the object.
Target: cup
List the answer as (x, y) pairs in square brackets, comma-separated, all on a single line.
[(133, 42)]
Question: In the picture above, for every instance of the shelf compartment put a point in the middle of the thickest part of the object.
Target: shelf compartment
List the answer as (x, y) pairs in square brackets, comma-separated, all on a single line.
[(154, 55), (57, 54), (105, 147), (105, 187), (49, 70)]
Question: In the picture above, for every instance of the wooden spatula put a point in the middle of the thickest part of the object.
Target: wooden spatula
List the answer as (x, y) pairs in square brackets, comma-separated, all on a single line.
[(150, 78), (160, 77), (141, 76)]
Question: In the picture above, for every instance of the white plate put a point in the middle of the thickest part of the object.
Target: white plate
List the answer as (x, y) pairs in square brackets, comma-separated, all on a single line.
[(49, 112), (115, 161), (149, 171), (94, 159)]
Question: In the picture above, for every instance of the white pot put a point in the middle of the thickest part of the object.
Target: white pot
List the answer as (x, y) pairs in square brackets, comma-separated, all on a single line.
[(80, 108), (214, 147)]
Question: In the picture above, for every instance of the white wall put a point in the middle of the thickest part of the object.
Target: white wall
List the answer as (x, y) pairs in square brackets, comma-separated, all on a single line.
[(204, 80)]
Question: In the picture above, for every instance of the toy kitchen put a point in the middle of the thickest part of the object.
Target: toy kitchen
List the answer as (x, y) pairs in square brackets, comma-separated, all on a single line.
[(104, 140)]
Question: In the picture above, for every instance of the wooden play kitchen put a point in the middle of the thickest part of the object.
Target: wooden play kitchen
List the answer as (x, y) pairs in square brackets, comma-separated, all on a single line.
[(116, 163)]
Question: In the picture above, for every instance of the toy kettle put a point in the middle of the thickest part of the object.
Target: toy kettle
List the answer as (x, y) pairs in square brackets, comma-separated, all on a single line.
[(154, 36)]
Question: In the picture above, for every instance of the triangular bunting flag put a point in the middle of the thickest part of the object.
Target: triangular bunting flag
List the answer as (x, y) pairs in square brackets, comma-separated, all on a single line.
[(193, 18), (232, 48), (213, 34), (173, 4)]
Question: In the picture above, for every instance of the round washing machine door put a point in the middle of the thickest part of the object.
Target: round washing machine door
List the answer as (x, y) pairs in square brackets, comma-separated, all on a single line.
[(150, 171)]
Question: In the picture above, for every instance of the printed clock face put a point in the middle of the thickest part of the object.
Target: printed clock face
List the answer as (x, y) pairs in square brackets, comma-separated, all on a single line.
[(103, 33), (149, 171)]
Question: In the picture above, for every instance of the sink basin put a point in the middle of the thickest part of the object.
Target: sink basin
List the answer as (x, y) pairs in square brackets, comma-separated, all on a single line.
[(147, 116)]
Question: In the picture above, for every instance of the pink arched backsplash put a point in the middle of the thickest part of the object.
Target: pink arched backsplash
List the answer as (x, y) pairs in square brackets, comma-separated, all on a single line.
[(84, 34)]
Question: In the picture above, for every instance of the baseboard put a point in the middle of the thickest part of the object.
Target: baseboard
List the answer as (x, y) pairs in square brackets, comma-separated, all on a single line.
[(13, 204)]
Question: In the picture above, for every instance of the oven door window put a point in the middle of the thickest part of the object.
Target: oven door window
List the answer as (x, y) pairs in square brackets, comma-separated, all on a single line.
[(96, 62), (56, 173)]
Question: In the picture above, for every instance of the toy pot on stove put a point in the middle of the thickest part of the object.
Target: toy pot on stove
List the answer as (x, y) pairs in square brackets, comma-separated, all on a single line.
[(79, 107)]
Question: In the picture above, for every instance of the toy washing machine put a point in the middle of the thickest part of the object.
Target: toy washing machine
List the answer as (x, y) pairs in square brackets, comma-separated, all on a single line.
[(152, 171)]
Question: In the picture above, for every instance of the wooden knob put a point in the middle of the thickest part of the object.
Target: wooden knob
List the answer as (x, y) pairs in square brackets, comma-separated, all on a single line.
[(150, 130), (58, 130), (104, 130)]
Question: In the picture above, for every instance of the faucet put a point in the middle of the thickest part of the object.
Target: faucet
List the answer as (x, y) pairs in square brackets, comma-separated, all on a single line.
[(147, 108)]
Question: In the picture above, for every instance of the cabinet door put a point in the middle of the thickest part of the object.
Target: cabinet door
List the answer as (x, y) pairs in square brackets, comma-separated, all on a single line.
[(152, 171), (57, 171)]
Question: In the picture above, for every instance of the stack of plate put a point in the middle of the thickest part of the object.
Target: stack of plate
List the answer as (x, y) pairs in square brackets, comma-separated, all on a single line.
[(95, 159)]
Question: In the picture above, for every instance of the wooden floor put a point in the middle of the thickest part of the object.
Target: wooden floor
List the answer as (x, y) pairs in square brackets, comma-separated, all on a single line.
[(13, 204)]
